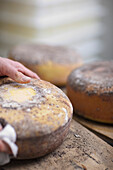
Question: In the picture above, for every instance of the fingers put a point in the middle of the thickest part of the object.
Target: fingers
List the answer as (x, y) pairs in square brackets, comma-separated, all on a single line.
[(16, 75), (21, 78), (0, 127), (28, 72), (21, 68), (16, 71), (4, 147)]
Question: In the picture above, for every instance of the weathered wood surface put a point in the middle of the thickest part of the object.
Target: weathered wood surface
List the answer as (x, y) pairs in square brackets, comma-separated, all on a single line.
[(104, 131), (81, 150)]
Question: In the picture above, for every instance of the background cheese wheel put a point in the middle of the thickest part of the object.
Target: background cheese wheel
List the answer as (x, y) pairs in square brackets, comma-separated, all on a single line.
[(90, 89), (51, 63), (39, 112)]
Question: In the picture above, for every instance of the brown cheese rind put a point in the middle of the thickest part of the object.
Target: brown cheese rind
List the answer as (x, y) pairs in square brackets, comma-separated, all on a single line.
[(43, 113), (39, 112), (90, 89), (93, 78), (51, 63), (41, 54)]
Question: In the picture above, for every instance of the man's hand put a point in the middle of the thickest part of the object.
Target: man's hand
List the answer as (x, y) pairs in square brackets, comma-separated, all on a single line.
[(20, 74), (16, 71), (3, 146)]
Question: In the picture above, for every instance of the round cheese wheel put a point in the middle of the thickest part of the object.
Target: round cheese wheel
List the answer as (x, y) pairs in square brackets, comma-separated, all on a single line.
[(39, 112), (51, 63), (90, 89)]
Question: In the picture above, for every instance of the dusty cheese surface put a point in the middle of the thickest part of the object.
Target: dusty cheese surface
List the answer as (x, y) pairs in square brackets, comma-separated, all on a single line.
[(90, 89), (93, 78), (42, 54), (51, 63), (34, 109)]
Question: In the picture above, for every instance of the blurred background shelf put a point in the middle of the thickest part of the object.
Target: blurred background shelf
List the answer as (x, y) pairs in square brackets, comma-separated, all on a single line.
[(82, 24)]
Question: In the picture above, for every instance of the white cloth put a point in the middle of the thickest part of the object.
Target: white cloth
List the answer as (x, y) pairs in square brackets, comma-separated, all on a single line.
[(8, 135)]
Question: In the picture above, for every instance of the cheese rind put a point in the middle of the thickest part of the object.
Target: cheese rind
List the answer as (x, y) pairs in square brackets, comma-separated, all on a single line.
[(90, 89), (37, 111), (51, 63)]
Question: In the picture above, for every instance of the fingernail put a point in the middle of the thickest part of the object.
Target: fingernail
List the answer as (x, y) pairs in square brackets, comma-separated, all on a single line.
[(36, 76), (25, 79)]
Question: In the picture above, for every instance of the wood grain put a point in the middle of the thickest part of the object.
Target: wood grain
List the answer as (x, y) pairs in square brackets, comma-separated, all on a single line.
[(81, 150)]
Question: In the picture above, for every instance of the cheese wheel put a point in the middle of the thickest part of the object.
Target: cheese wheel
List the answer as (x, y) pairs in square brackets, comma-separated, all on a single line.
[(51, 63), (39, 112), (90, 89)]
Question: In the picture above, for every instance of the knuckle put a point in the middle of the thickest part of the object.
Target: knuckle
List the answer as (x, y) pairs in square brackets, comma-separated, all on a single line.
[(18, 64)]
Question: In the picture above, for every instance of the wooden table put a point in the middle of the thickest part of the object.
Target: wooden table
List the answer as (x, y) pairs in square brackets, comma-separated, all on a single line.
[(104, 131), (81, 150)]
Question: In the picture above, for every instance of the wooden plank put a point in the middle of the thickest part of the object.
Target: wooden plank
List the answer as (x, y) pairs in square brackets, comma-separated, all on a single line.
[(105, 131), (81, 150)]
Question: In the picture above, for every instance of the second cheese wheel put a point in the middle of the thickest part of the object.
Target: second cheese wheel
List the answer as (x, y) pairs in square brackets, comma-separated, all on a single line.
[(51, 63), (39, 112), (90, 89)]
